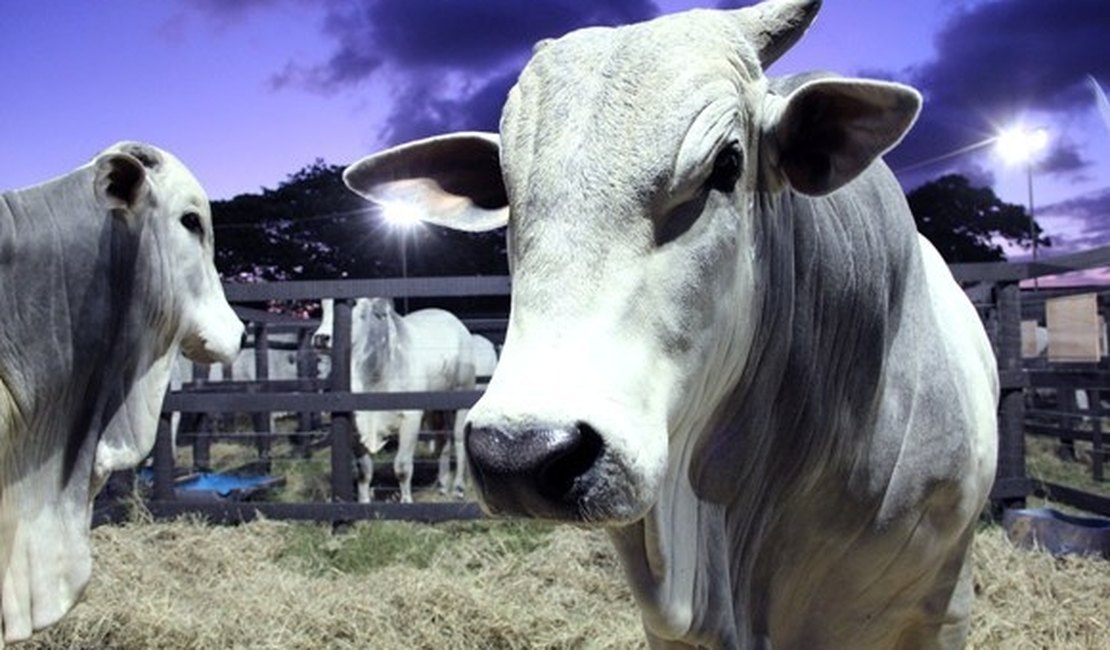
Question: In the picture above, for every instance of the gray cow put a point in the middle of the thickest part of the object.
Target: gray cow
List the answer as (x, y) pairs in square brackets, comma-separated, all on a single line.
[(728, 345), (105, 273)]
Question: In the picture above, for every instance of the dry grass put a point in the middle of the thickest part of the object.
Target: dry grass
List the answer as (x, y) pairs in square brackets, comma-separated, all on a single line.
[(477, 585), (279, 585), (1031, 600)]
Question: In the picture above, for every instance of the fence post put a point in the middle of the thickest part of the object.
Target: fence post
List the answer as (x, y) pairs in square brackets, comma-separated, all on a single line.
[(163, 460), (342, 478), (1098, 448), (261, 419), (1011, 484), (200, 424), (306, 372)]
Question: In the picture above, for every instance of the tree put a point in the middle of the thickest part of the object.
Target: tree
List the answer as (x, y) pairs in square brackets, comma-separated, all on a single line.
[(968, 224), (313, 227)]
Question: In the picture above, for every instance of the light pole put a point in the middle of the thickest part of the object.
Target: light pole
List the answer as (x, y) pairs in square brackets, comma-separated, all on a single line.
[(402, 219), (1020, 145)]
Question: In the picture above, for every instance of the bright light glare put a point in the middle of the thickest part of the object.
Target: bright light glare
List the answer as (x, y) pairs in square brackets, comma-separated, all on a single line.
[(400, 215), (1018, 144)]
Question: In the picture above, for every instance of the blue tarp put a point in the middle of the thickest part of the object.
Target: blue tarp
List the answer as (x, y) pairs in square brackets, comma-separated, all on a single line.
[(223, 484)]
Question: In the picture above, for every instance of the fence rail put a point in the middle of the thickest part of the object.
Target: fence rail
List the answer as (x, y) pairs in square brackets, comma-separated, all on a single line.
[(994, 287)]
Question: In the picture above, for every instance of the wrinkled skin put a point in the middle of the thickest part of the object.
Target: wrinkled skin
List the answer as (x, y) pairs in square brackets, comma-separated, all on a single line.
[(728, 345), (107, 273)]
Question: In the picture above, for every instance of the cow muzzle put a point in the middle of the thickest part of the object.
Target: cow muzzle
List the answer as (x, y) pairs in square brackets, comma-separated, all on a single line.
[(541, 472)]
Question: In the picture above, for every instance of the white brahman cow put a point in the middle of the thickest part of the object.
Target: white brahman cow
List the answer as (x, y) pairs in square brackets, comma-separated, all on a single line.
[(727, 345), (485, 356), (485, 362), (427, 350), (105, 273), (281, 365)]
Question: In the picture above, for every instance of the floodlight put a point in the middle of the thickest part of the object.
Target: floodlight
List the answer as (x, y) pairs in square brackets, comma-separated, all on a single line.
[(1019, 144)]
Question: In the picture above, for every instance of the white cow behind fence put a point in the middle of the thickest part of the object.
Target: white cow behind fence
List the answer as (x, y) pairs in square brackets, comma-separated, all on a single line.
[(427, 350), (485, 356), (281, 365), (105, 273), (728, 344), (485, 363)]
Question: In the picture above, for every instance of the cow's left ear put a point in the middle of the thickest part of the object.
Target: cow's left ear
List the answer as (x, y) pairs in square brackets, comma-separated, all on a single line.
[(449, 180), (121, 181), (831, 129)]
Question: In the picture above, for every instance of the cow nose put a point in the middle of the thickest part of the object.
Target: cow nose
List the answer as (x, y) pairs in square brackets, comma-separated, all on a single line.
[(321, 341), (539, 472)]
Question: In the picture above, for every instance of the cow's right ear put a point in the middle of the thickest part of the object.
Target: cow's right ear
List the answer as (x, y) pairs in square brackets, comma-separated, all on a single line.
[(449, 180), (121, 181), (831, 129)]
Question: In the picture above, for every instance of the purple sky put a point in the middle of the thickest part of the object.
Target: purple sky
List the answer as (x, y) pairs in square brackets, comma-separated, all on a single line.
[(248, 91)]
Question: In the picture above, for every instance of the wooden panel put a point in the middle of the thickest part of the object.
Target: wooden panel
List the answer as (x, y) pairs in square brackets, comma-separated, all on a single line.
[(1073, 329), (1032, 345)]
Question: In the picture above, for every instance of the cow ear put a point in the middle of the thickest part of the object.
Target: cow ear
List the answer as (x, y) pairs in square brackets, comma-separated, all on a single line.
[(451, 180), (831, 129), (121, 181)]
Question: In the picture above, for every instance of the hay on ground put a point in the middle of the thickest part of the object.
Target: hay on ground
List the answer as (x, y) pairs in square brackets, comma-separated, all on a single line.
[(283, 585)]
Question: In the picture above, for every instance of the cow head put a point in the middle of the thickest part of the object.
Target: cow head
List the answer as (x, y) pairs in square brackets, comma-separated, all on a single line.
[(372, 329), (631, 161), (181, 298)]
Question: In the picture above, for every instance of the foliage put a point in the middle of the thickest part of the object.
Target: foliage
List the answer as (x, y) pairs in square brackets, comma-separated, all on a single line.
[(313, 227), (966, 223)]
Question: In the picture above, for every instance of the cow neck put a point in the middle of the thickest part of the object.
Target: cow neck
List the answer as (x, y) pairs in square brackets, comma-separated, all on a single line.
[(830, 276), (74, 266), (384, 367)]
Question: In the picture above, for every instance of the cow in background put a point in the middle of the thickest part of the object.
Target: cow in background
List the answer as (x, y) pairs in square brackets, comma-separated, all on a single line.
[(485, 357), (485, 362), (728, 344), (281, 364), (427, 350), (105, 273)]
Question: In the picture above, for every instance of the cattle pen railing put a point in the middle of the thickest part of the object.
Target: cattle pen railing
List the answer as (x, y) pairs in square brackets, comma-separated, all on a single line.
[(994, 288), (333, 397)]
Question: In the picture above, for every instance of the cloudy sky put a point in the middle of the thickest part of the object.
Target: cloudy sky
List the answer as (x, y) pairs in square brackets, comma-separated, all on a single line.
[(249, 91)]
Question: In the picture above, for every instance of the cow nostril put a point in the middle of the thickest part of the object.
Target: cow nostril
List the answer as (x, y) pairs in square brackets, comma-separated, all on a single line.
[(557, 478)]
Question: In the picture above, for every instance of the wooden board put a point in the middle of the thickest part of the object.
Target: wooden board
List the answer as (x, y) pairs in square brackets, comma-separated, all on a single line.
[(1074, 335), (1032, 346)]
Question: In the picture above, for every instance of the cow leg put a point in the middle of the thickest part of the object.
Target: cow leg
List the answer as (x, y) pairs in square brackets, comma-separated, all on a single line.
[(443, 453), (460, 454), (407, 438), (948, 608), (364, 464)]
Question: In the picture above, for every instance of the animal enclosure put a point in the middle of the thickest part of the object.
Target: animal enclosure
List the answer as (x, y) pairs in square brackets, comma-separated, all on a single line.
[(324, 406)]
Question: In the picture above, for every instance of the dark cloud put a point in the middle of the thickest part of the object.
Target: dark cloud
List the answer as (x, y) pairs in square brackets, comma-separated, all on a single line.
[(1009, 55), (1090, 228), (999, 60), (473, 35), (420, 111), (450, 62), (230, 11), (1064, 158)]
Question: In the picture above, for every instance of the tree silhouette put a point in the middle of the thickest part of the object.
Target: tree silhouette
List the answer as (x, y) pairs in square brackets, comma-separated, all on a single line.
[(313, 227), (966, 223)]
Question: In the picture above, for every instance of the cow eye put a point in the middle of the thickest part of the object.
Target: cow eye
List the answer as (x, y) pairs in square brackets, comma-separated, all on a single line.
[(726, 168), (191, 221)]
